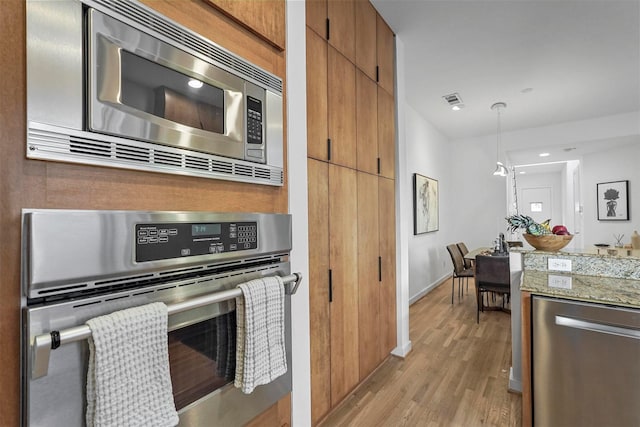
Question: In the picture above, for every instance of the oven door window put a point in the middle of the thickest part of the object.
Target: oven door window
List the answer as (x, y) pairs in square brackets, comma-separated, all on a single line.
[(202, 358), (150, 87)]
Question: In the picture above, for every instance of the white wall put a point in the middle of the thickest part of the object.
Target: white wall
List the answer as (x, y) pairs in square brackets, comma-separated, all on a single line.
[(479, 197), (611, 165), (298, 208), (428, 154)]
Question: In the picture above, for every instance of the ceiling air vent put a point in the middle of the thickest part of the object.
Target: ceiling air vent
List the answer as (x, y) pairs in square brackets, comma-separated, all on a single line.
[(454, 101)]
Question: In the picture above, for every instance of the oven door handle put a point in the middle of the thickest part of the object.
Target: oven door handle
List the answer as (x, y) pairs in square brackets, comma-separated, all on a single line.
[(43, 344)]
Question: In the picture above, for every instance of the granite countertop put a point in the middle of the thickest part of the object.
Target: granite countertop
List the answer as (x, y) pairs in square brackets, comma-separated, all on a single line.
[(590, 275), (609, 251), (603, 290)]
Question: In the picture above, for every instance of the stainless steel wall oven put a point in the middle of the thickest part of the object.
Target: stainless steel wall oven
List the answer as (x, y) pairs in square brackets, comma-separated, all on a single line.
[(77, 265), (115, 83)]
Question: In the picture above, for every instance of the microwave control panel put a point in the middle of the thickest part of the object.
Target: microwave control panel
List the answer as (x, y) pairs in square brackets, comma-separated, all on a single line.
[(254, 120), (177, 240)]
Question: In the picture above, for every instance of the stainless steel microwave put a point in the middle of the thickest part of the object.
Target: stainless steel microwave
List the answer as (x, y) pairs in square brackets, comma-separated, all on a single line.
[(118, 84)]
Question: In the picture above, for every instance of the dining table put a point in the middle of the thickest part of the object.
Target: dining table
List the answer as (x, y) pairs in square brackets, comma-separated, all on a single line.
[(471, 255)]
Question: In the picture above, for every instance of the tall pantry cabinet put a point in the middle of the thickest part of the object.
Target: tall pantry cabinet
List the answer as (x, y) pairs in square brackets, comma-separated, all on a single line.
[(351, 175)]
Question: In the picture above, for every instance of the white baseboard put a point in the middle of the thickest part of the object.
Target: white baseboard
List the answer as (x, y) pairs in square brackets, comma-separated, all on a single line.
[(402, 351), (428, 289), (514, 384)]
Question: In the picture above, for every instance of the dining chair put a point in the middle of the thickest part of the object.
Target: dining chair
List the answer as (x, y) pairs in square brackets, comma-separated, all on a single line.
[(459, 270), (492, 275), (468, 263)]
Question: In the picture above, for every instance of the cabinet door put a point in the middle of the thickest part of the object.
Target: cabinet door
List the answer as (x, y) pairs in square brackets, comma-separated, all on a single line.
[(265, 18), (368, 274), (319, 314), (342, 26), (386, 134), (343, 245), (317, 126), (342, 109), (386, 56), (316, 11), (366, 123), (387, 218), (366, 50)]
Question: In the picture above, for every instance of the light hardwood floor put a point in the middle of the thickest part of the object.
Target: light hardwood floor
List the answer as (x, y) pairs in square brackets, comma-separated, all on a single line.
[(456, 375)]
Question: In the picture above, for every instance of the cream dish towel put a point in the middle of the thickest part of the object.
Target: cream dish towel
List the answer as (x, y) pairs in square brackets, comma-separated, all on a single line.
[(128, 380), (261, 355)]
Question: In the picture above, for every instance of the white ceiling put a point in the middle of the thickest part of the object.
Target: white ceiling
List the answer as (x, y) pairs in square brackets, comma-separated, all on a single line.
[(581, 58)]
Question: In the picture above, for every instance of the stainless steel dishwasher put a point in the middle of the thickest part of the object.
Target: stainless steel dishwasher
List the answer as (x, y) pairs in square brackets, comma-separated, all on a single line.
[(586, 364)]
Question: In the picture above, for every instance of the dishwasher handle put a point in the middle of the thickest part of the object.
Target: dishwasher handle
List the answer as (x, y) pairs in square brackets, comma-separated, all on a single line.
[(598, 327)]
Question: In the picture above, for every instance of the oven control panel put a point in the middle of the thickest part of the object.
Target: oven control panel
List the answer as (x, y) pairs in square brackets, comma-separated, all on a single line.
[(176, 240)]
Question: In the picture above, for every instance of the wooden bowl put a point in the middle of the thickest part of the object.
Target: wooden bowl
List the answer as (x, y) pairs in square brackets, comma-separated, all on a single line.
[(548, 242)]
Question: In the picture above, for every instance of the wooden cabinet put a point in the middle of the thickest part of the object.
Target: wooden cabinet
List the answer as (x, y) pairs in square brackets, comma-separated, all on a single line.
[(343, 259), (376, 270), (266, 18), (333, 284), (334, 21), (317, 121), (342, 23), (375, 46), (319, 314), (386, 134), (316, 16), (368, 273), (387, 247), (375, 128), (366, 123), (366, 45), (385, 44), (341, 109), (351, 158)]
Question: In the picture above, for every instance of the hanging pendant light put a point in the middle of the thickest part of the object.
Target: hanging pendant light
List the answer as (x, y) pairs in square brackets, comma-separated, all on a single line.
[(501, 170)]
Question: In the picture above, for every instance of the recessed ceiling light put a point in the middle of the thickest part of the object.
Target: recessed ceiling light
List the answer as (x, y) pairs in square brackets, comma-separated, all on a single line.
[(522, 172), (196, 84), (544, 154), (457, 107)]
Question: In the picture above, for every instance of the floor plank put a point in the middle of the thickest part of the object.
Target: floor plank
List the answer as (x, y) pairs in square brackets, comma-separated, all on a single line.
[(456, 375)]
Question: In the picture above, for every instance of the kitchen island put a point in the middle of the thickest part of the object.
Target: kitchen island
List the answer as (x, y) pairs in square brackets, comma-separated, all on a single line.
[(607, 279)]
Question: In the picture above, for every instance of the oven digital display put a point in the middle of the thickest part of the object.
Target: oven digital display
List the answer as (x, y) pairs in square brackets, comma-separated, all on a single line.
[(205, 229), (157, 241)]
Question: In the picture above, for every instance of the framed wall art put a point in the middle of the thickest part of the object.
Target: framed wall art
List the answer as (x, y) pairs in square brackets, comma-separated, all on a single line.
[(425, 204), (613, 201)]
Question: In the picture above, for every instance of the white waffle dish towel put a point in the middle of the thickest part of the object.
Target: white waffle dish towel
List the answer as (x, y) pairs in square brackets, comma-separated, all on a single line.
[(128, 379), (261, 354)]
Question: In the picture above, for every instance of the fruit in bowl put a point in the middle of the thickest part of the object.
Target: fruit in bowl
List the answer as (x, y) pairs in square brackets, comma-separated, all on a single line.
[(540, 235), (560, 230), (548, 242)]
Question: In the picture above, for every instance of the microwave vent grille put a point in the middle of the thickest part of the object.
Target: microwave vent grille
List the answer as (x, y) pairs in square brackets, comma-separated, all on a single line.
[(221, 167), (193, 162), (148, 20), (132, 153), (46, 142), (244, 170)]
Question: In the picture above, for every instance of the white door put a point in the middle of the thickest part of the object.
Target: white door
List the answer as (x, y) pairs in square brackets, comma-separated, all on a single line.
[(536, 203), (577, 210)]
